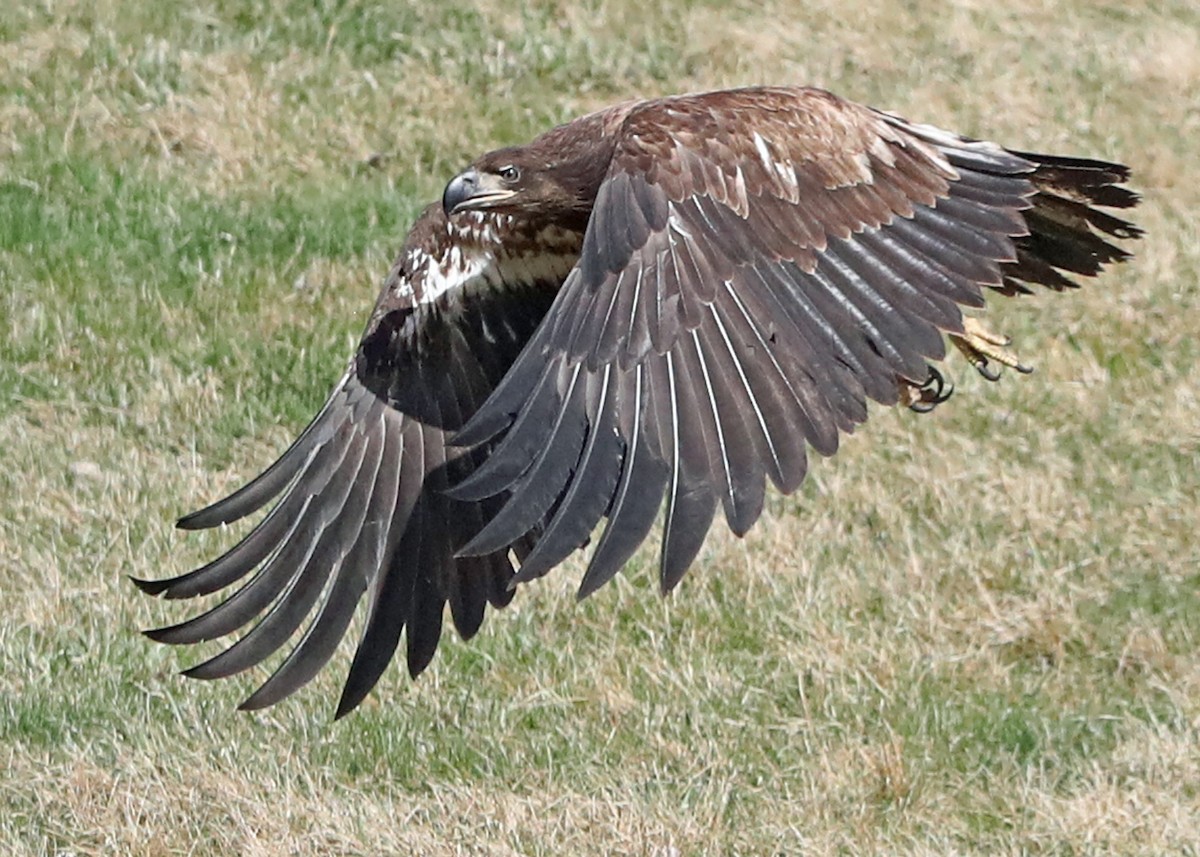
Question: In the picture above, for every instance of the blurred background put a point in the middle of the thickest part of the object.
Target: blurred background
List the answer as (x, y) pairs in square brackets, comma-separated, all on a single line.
[(970, 632)]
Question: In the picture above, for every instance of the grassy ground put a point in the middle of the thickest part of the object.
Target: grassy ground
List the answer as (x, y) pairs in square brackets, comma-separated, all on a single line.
[(971, 633)]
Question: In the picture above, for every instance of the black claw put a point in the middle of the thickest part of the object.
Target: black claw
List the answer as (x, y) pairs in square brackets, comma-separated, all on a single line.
[(988, 373), (934, 391), (945, 388)]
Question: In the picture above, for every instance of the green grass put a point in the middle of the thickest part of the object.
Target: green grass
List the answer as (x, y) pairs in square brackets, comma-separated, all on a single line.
[(973, 632)]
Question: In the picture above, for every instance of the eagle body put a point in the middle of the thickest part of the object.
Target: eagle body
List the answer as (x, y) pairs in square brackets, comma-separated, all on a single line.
[(656, 308)]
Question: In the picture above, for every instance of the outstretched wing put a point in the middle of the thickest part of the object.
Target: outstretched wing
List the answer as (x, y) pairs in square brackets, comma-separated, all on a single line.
[(759, 264), (360, 496)]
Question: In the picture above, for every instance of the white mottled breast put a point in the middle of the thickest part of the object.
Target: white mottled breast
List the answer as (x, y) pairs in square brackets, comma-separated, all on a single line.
[(471, 255)]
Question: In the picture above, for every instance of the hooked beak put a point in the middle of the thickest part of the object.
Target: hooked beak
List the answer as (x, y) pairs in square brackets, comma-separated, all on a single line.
[(469, 190)]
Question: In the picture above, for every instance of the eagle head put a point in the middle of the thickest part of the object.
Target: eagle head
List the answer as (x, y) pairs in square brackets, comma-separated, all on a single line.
[(530, 183)]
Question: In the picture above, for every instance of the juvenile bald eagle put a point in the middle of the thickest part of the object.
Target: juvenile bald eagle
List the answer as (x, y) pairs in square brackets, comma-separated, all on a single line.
[(670, 299)]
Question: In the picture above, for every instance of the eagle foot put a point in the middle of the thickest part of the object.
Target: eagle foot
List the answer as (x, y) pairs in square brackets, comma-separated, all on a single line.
[(983, 348), (923, 398)]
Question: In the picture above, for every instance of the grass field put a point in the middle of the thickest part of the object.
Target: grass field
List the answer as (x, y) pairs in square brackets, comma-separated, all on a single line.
[(973, 632)]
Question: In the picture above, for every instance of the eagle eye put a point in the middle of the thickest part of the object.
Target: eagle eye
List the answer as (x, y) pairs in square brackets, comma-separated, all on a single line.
[(509, 173)]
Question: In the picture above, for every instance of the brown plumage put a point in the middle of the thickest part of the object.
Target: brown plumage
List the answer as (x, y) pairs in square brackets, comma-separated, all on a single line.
[(667, 300)]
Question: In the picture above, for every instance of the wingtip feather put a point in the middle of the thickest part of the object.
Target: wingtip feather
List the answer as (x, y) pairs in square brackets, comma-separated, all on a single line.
[(196, 520), (150, 587), (161, 635)]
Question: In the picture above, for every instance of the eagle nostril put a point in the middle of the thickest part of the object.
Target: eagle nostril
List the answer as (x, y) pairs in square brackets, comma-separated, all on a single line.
[(459, 189)]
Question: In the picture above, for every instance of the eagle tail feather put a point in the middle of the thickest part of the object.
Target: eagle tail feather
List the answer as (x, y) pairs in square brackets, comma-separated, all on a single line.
[(1066, 228)]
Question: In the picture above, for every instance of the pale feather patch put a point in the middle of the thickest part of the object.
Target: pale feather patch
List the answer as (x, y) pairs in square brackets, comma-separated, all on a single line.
[(864, 163), (676, 225), (474, 258), (781, 169), (883, 152), (740, 201), (456, 270), (930, 134), (764, 152)]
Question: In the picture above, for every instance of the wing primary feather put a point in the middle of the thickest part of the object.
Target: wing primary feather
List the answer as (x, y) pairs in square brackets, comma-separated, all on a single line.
[(915, 267), (512, 393), (903, 295), (441, 576), (590, 490), (468, 599), (824, 381), (641, 303), (896, 311), (470, 577), (544, 478), (662, 307), (388, 616), (966, 153), (1009, 205), (854, 337), (954, 221), (307, 580), (689, 275), (392, 594), (1002, 187), (707, 413), (321, 639), (804, 413), (1096, 181), (987, 221), (637, 497), (1003, 196), (255, 494), (271, 532), (780, 414), (423, 629), (525, 439), (740, 447), (266, 583), (889, 333), (919, 234), (1073, 213), (502, 590), (601, 337), (238, 561), (691, 503), (809, 305), (435, 565), (1030, 268), (1078, 249)]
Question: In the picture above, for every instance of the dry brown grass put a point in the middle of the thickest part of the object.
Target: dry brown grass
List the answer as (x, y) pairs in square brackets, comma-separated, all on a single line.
[(969, 633)]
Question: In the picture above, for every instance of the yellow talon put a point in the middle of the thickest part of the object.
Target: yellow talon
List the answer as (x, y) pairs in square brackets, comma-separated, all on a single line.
[(979, 345)]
